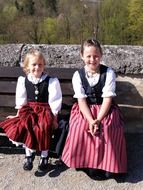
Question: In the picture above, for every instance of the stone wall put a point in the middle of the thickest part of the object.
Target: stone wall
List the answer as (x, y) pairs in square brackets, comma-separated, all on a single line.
[(127, 61), (124, 59)]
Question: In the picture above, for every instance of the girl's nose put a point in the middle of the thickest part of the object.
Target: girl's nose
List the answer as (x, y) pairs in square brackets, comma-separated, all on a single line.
[(37, 66), (92, 58)]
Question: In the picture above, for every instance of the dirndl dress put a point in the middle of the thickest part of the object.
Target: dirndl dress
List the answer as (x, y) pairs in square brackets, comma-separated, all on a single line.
[(33, 126), (106, 150)]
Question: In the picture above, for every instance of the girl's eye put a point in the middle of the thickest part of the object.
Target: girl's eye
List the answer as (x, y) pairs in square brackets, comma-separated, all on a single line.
[(36, 64), (96, 57)]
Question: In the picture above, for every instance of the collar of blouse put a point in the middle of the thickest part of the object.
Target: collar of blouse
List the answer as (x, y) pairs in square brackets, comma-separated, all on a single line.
[(35, 80)]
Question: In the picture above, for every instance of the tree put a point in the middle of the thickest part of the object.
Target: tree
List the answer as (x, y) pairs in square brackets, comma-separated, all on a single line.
[(25, 6), (49, 26), (52, 4), (135, 22), (113, 21)]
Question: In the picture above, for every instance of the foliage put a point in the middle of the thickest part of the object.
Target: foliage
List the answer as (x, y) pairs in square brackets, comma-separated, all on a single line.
[(71, 21), (135, 22)]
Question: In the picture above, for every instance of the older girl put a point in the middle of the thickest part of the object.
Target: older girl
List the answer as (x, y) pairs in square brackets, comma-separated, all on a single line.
[(96, 139)]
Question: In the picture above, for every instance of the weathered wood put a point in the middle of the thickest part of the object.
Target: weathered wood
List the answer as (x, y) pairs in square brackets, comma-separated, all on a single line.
[(14, 72)]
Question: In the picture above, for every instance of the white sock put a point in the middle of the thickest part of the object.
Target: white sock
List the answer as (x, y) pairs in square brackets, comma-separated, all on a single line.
[(29, 151), (44, 153)]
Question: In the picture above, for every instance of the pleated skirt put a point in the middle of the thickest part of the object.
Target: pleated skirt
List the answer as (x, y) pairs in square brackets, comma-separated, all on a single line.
[(32, 127), (105, 151)]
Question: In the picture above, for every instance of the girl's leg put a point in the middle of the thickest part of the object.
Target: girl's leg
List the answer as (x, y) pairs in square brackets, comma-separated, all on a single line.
[(43, 164), (30, 155)]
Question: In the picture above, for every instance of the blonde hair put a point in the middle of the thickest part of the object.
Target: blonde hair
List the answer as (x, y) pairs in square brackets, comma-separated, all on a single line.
[(32, 53)]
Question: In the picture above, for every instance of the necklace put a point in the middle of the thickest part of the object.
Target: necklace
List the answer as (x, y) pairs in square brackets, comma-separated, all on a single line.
[(92, 73), (36, 89)]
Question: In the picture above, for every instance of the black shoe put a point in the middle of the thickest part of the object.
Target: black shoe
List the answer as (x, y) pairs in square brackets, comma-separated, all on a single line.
[(28, 165), (109, 175), (43, 164), (97, 174)]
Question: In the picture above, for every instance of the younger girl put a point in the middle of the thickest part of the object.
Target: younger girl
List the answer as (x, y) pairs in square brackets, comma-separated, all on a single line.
[(95, 139), (38, 100)]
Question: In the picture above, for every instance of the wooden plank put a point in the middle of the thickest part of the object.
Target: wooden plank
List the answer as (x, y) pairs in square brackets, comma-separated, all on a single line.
[(68, 101), (7, 87), (10, 72), (61, 73), (14, 72), (7, 100), (67, 89)]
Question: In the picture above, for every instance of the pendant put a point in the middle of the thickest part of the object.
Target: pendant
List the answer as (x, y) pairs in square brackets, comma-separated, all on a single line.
[(36, 92)]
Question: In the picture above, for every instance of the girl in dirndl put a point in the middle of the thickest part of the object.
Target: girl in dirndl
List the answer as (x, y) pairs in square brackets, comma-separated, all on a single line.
[(38, 101), (96, 128)]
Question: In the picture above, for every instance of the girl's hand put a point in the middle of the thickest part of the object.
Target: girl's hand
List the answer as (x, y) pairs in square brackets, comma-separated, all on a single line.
[(94, 127), (11, 116), (55, 122)]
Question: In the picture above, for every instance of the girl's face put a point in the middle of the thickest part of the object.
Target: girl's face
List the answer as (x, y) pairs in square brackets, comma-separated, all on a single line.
[(91, 57), (36, 66)]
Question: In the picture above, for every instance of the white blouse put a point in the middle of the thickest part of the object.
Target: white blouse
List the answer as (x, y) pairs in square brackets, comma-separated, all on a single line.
[(54, 90), (107, 91)]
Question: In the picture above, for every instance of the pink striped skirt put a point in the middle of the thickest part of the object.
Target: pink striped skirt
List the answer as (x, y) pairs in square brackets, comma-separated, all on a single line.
[(32, 127), (106, 151)]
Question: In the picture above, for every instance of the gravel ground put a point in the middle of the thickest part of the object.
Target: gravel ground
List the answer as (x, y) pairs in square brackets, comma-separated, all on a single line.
[(13, 177)]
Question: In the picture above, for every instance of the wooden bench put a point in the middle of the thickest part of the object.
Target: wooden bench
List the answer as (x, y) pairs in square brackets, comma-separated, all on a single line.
[(130, 103)]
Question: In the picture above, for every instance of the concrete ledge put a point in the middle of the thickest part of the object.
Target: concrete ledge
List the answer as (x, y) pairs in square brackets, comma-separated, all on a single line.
[(124, 59)]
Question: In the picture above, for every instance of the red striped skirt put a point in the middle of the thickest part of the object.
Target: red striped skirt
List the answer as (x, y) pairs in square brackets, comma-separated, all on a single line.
[(32, 127), (106, 151)]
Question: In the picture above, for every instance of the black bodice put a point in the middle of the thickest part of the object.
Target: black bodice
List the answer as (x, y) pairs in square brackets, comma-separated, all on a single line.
[(94, 93), (37, 92)]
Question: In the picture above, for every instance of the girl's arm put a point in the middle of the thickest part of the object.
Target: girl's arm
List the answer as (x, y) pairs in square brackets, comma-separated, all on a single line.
[(55, 95), (106, 104), (55, 99), (108, 93), (55, 121), (85, 110), (93, 124)]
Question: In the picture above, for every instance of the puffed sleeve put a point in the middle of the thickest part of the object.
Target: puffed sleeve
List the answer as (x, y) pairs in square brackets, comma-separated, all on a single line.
[(55, 95), (21, 95), (79, 91), (110, 84)]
